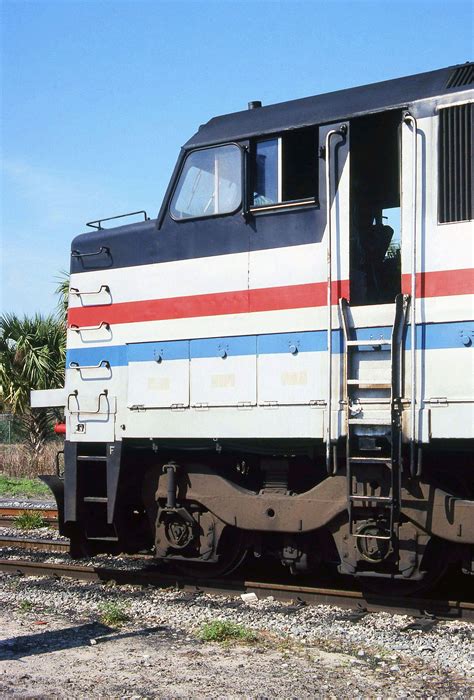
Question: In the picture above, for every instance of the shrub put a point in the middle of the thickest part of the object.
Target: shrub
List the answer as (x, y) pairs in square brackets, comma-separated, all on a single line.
[(224, 631), (113, 613), (29, 520)]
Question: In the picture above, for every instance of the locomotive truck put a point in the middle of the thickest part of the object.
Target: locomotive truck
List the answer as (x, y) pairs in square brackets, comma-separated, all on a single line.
[(280, 363)]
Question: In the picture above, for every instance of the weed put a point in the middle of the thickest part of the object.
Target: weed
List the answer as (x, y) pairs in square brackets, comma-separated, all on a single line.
[(224, 631), (26, 605), (113, 613), (29, 520)]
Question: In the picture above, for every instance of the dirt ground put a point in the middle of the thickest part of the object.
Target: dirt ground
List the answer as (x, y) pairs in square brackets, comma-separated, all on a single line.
[(56, 657)]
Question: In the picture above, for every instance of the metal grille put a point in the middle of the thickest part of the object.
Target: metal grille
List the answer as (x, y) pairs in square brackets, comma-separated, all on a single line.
[(464, 75), (456, 164)]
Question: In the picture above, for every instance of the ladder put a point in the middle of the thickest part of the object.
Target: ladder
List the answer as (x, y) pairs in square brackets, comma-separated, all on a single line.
[(92, 493), (373, 415)]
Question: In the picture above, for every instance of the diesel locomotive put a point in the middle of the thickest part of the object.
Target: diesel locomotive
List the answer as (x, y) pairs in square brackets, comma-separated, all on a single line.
[(280, 364)]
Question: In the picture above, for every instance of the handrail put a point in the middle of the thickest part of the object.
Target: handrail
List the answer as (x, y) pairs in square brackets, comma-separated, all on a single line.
[(98, 227), (410, 119), (342, 131)]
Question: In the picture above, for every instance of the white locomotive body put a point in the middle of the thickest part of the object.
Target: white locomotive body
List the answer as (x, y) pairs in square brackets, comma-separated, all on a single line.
[(282, 360)]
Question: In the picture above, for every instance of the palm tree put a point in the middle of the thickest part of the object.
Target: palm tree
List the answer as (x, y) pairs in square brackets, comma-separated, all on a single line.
[(62, 290), (32, 356)]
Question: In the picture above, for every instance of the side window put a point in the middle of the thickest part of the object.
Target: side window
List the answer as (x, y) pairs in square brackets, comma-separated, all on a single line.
[(210, 183), (285, 169), (456, 192)]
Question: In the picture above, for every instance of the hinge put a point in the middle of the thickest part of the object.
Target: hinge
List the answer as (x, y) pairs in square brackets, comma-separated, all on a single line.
[(201, 406), (177, 406), (317, 402), (138, 407), (270, 404), (438, 401), (244, 404)]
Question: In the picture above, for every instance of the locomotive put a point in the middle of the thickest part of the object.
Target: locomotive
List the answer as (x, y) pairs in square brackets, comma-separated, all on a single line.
[(280, 364)]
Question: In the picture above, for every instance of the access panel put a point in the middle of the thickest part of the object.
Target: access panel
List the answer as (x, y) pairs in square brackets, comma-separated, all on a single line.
[(158, 374), (224, 371)]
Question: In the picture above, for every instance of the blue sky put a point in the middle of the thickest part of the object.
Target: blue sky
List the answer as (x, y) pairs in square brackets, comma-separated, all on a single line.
[(98, 96)]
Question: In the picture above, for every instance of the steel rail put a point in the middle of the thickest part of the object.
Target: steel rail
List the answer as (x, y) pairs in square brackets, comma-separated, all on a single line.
[(35, 543), (444, 609)]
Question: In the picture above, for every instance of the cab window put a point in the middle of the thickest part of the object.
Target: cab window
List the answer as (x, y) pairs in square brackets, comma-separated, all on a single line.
[(210, 183), (285, 169)]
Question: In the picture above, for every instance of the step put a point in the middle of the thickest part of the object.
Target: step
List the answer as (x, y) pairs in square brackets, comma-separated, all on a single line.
[(369, 384), (370, 421), (375, 342), (91, 458), (95, 499)]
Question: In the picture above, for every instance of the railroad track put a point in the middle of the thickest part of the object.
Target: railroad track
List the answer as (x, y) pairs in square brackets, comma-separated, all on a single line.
[(304, 594), (362, 602)]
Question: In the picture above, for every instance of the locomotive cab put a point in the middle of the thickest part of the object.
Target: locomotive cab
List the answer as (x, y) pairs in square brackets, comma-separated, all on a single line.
[(262, 369)]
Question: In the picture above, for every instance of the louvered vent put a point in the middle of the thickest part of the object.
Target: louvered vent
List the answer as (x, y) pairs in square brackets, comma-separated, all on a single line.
[(464, 75), (456, 177)]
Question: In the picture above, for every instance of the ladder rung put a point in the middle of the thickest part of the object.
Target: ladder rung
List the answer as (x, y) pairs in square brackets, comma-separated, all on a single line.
[(375, 342), (91, 458), (369, 421), (370, 460), (376, 499), (95, 499), (364, 384)]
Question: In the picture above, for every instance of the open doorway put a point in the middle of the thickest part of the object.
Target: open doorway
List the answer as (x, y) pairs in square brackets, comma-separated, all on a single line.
[(375, 263)]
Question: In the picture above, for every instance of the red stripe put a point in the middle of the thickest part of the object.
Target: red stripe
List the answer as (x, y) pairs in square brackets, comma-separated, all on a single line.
[(270, 299), (299, 296), (444, 283)]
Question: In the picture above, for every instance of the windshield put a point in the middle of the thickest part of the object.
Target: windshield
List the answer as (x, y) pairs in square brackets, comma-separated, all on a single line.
[(210, 183)]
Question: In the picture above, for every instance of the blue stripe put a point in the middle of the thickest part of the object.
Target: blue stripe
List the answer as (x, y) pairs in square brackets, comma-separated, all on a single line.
[(169, 350), (115, 355), (433, 336), (216, 347)]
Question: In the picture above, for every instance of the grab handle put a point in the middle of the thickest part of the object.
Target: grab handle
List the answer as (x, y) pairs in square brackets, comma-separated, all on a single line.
[(102, 363), (77, 293), (79, 329), (78, 254)]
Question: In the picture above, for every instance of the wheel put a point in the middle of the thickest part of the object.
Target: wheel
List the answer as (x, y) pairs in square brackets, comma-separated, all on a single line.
[(434, 562), (232, 552)]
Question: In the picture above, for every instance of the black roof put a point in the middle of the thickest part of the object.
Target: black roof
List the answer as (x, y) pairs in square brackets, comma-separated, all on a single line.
[(333, 106)]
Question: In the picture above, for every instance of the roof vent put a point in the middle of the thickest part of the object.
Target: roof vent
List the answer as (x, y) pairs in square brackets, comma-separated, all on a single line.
[(464, 75), (255, 104)]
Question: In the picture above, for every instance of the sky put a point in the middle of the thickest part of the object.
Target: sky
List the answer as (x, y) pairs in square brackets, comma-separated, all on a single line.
[(98, 96)]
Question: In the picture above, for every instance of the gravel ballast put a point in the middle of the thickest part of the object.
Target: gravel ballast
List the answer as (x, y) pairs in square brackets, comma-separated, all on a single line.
[(55, 642)]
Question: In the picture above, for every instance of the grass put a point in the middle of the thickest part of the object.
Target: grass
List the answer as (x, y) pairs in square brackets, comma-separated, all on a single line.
[(22, 486), (26, 606), (224, 631), (29, 520), (113, 614)]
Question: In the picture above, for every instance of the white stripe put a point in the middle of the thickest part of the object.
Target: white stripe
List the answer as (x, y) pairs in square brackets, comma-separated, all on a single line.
[(433, 310)]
